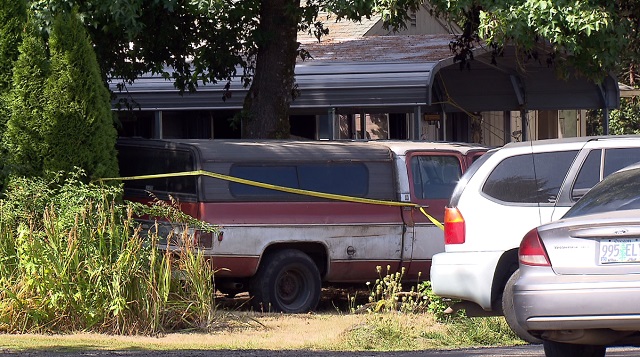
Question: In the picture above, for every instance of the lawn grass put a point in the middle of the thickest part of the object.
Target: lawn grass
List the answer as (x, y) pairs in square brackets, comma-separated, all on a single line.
[(326, 331)]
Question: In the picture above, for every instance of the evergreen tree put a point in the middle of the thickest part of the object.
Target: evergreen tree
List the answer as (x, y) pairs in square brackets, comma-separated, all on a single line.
[(13, 17), (78, 118), (12, 21), (24, 137)]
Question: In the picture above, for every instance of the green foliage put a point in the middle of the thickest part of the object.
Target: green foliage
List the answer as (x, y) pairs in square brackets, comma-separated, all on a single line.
[(384, 333), (60, 110), (74, 259), (388, 295), (392, 310), (476, 331), (196, 42), (168, 32), (402, 332), (78, 125), (590, 36), (626, 119), (24, 135), (13, 16), (622, 121)]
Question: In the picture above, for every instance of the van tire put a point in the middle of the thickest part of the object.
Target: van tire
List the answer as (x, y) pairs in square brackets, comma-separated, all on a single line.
[(509, 311), (287, 281)]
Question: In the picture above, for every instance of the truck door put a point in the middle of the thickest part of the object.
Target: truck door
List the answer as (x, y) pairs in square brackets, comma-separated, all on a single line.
[(432, 178)]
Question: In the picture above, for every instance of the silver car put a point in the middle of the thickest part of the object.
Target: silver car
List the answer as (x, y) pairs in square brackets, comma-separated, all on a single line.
[(579, 279)]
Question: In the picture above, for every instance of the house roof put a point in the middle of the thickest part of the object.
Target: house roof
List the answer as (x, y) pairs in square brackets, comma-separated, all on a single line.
[(400, 73), (342, 28), (406, 48)]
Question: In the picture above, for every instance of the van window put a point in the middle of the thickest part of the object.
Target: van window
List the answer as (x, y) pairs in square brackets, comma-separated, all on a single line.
[(529, 178), (618, 192), (616, 159), (435, 176), (350, 179), (588, 176), (136, 161), (590, 173)]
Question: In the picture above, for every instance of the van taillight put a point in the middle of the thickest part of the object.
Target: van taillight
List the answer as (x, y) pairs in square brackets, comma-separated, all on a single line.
[(532, 250), (454, 230)]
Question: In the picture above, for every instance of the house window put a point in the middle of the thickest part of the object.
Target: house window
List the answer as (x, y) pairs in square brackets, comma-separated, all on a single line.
[(413, 19)]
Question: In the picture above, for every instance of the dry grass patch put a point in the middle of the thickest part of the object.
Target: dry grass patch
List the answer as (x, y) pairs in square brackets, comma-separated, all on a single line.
[(335, 332), (243, 330)]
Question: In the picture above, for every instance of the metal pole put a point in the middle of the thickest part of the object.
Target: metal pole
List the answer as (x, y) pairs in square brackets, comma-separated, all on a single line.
[(157, 132), (525, 130)]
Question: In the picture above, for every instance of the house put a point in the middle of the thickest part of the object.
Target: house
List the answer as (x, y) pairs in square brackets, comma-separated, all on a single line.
[(364, 83)]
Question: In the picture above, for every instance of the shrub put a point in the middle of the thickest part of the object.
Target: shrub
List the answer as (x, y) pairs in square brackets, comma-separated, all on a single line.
[(74, 258), (416, 318), (387, 294)]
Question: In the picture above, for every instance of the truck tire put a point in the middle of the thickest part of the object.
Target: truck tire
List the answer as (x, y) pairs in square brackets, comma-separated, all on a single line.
[(286, 281), (510, 313)]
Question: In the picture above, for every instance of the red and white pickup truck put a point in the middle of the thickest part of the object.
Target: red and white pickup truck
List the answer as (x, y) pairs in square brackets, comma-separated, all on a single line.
[(281, 247)]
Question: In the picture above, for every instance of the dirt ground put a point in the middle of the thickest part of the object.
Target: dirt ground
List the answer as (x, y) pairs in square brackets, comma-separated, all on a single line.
[(334, 299)]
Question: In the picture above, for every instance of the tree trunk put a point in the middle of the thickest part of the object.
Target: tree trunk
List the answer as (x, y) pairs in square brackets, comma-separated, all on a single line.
[(266, 106)]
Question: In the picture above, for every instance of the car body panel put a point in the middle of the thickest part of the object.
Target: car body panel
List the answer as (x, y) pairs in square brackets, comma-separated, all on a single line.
[(589, 291), (495, 228), (468, 274)]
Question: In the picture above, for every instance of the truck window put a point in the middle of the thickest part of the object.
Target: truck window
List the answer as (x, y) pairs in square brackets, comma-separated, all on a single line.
[(435, 176), (350, 179), (136, 161)]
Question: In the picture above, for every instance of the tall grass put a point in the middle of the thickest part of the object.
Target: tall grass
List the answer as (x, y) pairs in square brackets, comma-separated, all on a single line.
[(73, 258), (416, 318)]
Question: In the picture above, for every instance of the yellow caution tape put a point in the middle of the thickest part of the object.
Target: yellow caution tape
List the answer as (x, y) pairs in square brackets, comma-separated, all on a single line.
[(298, 191), (433, 220)]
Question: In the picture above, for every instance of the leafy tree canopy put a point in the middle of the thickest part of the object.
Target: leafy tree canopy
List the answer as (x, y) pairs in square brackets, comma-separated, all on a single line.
[(592, 36), (202, 41), (205, 40), (195, 42)]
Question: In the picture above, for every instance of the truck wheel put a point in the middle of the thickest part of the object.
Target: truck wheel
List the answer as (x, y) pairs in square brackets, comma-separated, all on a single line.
[(510, 313), (287, 281)]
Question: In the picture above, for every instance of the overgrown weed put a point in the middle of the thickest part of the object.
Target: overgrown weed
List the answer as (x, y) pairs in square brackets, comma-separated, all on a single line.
[(417, 319), (75, 259)]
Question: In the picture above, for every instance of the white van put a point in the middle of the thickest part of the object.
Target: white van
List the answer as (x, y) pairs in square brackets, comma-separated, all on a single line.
[(506, 193)]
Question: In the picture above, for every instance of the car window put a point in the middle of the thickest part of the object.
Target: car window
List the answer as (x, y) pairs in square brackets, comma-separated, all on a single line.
[(620, 191), (468, 174), (529, 178), (588, 176), (435, 177), (616, 159)]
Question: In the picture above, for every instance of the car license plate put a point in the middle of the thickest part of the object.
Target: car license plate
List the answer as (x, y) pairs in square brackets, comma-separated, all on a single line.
[(621, 250)]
